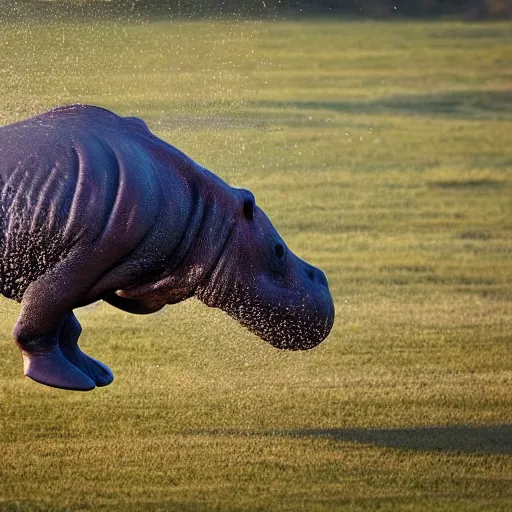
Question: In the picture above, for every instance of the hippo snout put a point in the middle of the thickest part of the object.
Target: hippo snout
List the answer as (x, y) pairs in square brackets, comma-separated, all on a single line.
[(300, 331), (306, 316), (304, 329), (300, 319)]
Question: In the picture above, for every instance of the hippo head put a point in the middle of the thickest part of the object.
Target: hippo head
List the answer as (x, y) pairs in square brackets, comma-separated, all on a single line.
[(268, 289)]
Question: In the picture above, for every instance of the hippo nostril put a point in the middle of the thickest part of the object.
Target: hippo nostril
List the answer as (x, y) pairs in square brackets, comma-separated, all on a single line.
[(317, 276)]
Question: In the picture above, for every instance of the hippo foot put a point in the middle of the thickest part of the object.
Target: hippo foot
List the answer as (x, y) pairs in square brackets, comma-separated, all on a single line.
[(95, 370), (53, 369)]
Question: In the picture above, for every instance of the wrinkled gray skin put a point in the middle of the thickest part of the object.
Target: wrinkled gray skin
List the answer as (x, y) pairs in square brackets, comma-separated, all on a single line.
[(94, 206)]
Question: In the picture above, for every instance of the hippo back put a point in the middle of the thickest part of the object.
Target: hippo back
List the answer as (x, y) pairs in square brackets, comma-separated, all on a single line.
[(74, 176)]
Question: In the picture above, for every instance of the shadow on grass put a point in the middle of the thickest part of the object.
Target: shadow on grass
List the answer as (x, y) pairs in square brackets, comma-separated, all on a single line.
[(29, 506), (468, 184), (495, 439), (472, 104), (90, 503), (463, 439)]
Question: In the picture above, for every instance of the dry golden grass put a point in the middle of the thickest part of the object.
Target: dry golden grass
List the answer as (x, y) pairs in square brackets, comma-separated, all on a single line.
[(382, 153)]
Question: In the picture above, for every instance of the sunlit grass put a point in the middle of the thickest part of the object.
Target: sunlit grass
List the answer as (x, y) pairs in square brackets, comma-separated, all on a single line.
[(382, 153)]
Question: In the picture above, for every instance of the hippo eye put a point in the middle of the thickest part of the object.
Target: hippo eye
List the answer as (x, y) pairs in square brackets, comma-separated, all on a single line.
[(279, 250), (249, 209)]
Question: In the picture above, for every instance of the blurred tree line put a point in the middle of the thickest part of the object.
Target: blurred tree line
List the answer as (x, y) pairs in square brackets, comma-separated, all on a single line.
[(376, 8), (467, 9), (472, 8)]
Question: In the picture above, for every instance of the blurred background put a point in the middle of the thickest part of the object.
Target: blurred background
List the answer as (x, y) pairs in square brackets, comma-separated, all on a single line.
[(377, 137), (467, 9)]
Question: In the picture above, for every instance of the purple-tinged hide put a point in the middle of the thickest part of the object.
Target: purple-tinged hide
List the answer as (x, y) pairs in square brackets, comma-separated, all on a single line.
[(94, 206)]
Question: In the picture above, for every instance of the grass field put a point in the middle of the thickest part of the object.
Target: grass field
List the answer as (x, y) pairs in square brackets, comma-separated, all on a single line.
[(383, 154)]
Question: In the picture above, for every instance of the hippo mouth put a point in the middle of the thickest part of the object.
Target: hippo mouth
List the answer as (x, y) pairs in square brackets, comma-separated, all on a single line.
[(302, 327), (290, 332)]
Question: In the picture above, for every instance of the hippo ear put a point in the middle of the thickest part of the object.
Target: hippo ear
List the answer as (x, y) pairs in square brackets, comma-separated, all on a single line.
[(249, 209)]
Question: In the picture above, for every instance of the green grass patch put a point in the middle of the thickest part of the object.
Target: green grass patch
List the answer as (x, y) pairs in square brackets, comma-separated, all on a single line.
[(382, 153)]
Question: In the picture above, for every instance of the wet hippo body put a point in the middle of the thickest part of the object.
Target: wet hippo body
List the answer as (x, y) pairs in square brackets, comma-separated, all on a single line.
[(94, 206)]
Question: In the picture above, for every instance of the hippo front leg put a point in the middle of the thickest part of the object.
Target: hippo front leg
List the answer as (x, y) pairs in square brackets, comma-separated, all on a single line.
[(68, 343), (47, 334), (44, 361)]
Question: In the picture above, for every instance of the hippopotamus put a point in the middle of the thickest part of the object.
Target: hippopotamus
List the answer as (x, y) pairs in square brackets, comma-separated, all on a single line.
[(94, 207)]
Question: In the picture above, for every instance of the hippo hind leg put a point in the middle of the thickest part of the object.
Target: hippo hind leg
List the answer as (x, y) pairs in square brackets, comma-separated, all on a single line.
[(68, 342)]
